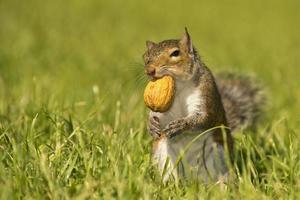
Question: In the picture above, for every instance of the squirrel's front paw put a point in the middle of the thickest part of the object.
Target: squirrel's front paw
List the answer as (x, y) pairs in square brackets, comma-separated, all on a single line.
[(154, 127), (175, 127)]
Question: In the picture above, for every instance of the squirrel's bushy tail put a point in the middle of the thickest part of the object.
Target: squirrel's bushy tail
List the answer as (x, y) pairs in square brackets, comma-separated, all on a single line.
[(242, 99)]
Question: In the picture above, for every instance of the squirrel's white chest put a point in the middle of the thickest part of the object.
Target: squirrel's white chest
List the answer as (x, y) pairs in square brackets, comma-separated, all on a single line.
[(197, 156), (187, 100)]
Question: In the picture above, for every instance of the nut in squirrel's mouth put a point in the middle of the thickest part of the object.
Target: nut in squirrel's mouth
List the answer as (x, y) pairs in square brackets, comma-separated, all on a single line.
[(158, 75), (155, 77)]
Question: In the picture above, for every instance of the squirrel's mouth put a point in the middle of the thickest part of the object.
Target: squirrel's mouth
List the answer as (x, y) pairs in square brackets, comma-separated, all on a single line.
[(153, 75), (153, 78), (157, 73), (158, 76)]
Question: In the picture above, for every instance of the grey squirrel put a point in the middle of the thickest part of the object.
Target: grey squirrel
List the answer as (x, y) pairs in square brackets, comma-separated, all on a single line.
[(201, 102)]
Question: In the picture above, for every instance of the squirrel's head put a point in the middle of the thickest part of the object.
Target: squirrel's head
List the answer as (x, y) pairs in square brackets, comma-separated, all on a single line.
[(170, 57)]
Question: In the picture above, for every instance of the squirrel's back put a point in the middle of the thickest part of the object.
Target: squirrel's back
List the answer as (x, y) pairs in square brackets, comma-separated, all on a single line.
[(242, 99)]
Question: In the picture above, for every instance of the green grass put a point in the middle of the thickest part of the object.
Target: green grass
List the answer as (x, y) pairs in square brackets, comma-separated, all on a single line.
[(72, 118)]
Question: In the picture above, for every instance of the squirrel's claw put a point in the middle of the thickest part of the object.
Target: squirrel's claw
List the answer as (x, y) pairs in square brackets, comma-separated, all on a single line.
[(154, 127), (175, 127)]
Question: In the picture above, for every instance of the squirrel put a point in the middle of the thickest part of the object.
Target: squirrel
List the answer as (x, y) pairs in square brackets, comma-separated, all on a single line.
[(202, 103)]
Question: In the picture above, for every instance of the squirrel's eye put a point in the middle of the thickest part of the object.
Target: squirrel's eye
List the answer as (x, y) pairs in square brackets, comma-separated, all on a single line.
[(175, 53)]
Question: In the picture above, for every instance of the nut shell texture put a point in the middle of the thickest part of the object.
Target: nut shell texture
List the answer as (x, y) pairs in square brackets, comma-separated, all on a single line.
[(159, 94)]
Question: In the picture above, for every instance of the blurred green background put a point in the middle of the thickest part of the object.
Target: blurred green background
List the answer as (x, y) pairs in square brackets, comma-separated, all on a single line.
[(82, 60), (69, 46)]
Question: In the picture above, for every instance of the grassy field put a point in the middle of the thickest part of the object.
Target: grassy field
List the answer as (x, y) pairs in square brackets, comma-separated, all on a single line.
[(72, 118)]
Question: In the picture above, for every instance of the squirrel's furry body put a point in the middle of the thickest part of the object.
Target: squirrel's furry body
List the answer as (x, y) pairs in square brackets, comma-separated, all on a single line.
[(198, 160), (200, 103)]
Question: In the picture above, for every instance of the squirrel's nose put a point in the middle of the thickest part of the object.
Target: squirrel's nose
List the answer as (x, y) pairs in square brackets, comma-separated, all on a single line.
[(150, 71)]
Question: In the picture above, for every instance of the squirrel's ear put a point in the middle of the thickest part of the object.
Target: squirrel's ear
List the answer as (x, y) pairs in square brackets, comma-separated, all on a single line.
[(186, 41), (150, 44)]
